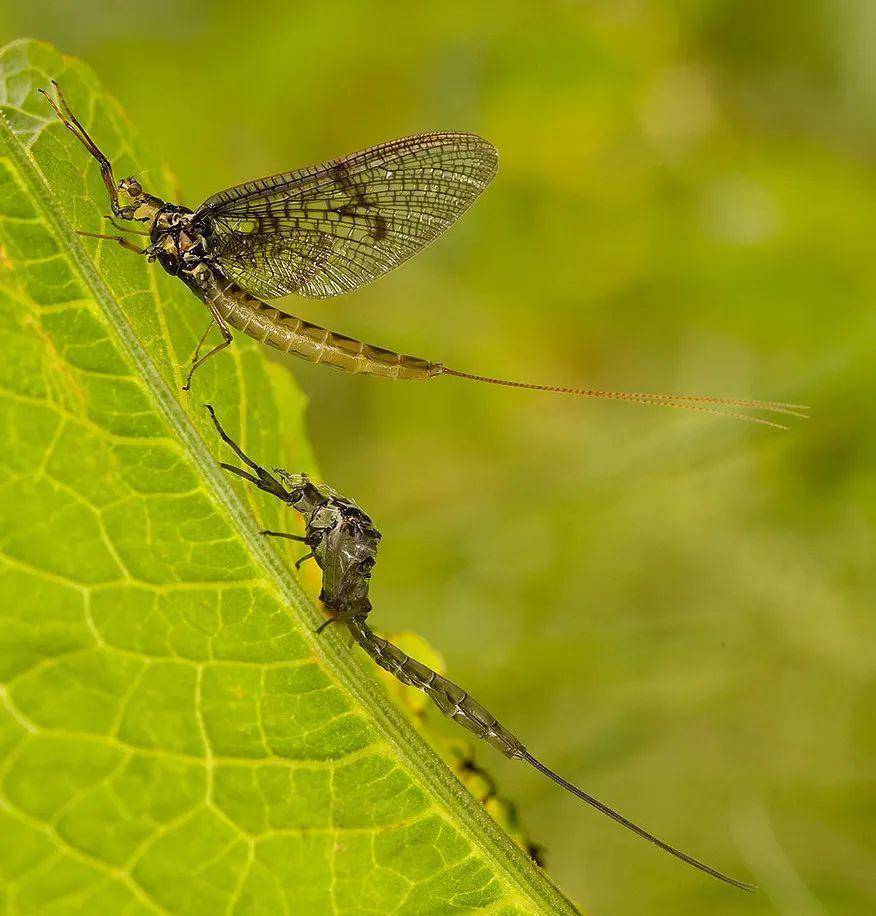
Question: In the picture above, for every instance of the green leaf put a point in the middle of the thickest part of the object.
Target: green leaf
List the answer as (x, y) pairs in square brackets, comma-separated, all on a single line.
[(173, 736)]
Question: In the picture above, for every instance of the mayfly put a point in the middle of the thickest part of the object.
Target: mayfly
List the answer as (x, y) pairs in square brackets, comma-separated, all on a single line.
[(343, 541), (323, 231)]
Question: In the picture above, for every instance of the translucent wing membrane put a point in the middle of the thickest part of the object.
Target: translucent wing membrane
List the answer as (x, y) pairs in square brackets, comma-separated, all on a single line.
[(328, 230), (331, 228)]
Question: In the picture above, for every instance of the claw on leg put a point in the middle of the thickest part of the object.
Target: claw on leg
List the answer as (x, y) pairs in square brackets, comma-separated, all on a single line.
[(197, 353)]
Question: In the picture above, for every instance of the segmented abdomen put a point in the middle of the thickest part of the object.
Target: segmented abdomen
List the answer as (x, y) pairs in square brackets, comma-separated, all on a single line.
[(450, 698), (316, 344)]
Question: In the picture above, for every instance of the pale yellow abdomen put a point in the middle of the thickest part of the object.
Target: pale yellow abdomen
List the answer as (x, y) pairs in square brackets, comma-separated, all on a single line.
[(316, 344)]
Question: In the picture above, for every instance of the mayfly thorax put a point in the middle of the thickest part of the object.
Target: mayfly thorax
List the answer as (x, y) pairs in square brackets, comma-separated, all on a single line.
[(323, 231), (343, 541)]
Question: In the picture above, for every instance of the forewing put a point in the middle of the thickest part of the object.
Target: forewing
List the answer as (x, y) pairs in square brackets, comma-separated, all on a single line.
[(329, 229)]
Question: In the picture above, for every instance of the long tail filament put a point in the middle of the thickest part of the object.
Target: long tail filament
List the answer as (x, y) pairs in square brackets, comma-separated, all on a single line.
[(699, 403), (639, 831)]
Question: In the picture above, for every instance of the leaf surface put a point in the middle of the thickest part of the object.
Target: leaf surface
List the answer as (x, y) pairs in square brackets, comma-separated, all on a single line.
[(173, 737)]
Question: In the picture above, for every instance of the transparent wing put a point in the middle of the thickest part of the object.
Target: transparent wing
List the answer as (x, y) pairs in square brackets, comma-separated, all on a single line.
[(331, 228)]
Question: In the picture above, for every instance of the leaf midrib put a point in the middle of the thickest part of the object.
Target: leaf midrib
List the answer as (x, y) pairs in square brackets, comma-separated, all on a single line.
[(419, 759)]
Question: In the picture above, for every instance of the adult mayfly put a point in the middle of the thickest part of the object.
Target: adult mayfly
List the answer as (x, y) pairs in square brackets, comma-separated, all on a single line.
[(343, 541), (323, 231)]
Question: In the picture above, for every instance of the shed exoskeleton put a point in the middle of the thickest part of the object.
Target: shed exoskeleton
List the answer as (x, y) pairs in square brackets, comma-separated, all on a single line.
[(343, 541)]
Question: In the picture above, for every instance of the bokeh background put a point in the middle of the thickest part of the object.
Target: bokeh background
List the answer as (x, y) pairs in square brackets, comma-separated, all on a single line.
[(675, 611)]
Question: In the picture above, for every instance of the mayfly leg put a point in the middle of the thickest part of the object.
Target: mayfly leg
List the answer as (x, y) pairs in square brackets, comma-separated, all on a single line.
[(129, 229), (73, 124), (284, 534), (262, 478), (197, 360), (125, 243), (211, 293), (201, 344)]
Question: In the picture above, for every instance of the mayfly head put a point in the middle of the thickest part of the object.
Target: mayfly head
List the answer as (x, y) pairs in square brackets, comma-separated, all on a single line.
[(131, 187), (303, 495), (143, 207), (292, 481)]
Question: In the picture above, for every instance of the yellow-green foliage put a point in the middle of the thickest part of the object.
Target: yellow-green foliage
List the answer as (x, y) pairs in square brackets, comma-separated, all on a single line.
[(673, 611), (173, 736)]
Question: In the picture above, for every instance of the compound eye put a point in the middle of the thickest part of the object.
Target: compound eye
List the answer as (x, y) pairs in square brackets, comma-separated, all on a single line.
[(131, 186)]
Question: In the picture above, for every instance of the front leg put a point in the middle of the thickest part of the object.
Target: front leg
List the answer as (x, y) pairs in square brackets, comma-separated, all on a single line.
[(262, 478), (73, 124)]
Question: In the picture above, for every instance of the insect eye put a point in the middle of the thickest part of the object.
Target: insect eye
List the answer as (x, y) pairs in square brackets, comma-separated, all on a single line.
[(131, 186)]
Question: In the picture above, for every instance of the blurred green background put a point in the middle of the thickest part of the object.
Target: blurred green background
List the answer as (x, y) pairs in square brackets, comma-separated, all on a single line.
[(673, 610)]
